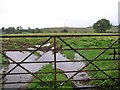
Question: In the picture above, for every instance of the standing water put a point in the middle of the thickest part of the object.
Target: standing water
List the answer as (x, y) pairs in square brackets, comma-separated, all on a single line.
[(67, 66), (34, 67)]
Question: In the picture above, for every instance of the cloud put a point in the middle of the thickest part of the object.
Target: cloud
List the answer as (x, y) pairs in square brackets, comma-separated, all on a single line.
[(50, 13)]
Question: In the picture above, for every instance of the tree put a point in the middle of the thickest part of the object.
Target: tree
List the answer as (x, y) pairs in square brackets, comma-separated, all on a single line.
[(19, 28), (37, 30), (3, 30), (102, 25), (10, 30), (29, 28)]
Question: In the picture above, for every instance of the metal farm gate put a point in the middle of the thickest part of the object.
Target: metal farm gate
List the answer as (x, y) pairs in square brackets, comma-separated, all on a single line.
[(113, 49)]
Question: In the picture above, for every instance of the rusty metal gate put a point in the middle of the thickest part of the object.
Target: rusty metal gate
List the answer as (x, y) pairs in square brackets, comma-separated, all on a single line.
[(114, 52)]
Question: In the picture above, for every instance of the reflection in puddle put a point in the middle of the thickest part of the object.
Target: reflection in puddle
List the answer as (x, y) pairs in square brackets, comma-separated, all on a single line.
[(65, 66), (34, 67)]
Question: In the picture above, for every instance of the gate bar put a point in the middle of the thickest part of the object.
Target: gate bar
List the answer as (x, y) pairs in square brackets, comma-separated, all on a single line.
[(76, 35)]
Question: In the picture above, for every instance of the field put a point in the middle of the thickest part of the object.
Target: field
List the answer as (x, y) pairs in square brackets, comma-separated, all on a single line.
[(77, 42), (101, 62)]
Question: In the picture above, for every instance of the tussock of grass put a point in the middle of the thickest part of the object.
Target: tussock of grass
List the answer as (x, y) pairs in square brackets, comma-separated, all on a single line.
[(49, 77)]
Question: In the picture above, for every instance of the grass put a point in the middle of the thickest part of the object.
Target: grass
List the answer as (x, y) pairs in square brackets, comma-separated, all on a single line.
[(49, 77), (86, 42), (3, 61), (97, 42), (21, 43), (52, 34)]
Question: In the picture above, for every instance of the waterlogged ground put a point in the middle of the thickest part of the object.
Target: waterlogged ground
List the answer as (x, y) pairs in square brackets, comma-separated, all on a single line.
[(45, 56), (79, 42)]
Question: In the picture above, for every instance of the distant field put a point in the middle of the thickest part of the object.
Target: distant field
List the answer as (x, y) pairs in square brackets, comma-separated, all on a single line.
[(64, 30), (47, 34), (16, 43), (77, 29)]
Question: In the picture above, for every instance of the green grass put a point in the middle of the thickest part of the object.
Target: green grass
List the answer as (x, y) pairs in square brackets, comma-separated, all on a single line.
[(21, 43), (86, 42), (98, 42), (3, 60), (24, 43), (49, 77)]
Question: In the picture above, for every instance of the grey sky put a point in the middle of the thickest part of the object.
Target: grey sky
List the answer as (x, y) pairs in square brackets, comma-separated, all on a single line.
[(54, 13)]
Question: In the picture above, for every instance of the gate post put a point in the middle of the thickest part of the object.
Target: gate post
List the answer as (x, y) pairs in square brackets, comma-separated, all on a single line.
[(54, 51)]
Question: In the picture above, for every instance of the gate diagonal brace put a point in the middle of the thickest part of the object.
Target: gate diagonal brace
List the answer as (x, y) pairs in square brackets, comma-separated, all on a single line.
[(28, 56), (90, 62), (23, 69), (18, 64)]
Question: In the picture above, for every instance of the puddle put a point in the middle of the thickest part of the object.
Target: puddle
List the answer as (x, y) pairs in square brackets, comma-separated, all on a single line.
[(45, 45), (34, 67), (67, 66)]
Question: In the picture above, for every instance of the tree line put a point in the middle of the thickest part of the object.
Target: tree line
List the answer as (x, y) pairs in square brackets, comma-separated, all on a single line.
[(100, 26), (13, 30)]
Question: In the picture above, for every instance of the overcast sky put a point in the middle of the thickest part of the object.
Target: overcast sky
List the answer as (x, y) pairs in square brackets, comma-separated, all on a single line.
[(56, 13)]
